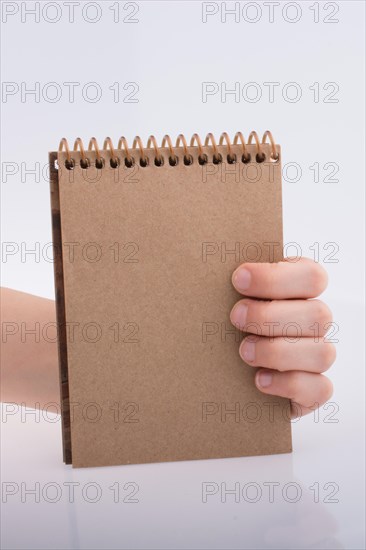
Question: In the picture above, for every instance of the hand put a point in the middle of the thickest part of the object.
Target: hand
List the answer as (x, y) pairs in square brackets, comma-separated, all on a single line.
[(289, 345)]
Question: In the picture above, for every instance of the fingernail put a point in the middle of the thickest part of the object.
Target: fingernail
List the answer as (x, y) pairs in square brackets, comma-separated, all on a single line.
[(264, 379), (238, 315), (241, 279), (247, 350)]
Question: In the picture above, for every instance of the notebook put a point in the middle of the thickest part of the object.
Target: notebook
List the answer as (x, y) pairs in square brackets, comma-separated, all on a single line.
[(146, 239)]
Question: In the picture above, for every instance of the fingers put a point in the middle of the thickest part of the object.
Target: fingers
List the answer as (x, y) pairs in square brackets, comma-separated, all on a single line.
[(288, 328), (307, 391), (281, 354), (288, 318), (280, 281)]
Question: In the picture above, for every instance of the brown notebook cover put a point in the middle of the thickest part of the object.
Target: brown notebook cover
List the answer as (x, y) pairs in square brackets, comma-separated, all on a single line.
[(146, 240)]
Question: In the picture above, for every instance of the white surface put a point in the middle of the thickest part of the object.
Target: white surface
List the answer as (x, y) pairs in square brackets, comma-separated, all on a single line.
[(169, 53), (170, 513)]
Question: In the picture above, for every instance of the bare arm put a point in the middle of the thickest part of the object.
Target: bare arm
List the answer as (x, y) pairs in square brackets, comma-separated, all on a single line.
[(29, 364), (294, 369)]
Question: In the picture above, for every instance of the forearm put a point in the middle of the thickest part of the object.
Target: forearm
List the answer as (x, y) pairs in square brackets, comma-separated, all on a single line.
[(29, 365)]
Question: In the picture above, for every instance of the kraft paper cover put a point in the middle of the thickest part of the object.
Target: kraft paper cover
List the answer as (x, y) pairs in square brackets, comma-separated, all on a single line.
[(149, 361)]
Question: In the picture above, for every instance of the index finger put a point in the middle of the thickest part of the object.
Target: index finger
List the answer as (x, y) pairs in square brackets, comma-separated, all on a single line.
[(288, 279)]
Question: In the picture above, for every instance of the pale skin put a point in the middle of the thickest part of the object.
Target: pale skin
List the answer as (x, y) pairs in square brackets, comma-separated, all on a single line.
[(278, 302), (278, 305)]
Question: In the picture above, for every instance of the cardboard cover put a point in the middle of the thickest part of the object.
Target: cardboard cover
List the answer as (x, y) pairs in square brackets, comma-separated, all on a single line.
[(149, 363)]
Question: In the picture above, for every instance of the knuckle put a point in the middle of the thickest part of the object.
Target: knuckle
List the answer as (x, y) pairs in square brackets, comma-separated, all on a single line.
[(294, 383), (327, 390), (318, 279), (271, 278), (322, 314), (321, 394), (328, 355)]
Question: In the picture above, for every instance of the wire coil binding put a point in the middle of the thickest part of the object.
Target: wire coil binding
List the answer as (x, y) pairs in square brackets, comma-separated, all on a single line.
[(210, 146)]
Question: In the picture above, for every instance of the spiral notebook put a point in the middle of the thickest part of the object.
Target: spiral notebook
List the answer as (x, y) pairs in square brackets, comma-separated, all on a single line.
[(146, 239)]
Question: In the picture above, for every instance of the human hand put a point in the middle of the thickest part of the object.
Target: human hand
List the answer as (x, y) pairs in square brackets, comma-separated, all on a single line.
[(286, 330)]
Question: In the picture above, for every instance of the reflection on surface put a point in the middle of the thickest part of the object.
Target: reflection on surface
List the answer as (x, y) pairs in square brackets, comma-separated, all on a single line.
[(254, 502)]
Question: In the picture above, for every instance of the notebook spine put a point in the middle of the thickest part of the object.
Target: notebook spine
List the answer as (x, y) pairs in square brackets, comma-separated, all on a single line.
[(205, 150)]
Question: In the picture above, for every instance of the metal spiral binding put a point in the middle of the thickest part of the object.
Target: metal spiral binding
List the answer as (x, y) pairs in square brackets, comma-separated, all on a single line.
[(210, 146)]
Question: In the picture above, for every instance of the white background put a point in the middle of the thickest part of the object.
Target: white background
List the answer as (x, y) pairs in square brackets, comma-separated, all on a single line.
[(169, 52)]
